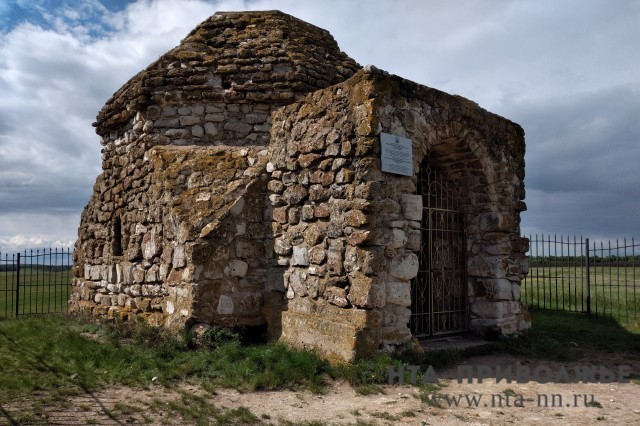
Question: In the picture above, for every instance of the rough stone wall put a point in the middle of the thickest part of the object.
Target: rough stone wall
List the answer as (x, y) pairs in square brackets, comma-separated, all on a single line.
[(218, 87), (221, 83), (194, 220), (347, 233), (322, 220), (194, 249), (483, 157)]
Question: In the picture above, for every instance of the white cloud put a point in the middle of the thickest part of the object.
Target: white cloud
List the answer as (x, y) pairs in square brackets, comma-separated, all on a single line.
[(567, 71), (53, 83)]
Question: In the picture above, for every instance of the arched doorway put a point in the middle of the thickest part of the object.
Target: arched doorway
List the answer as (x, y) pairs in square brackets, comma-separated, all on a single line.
[(438, 293)]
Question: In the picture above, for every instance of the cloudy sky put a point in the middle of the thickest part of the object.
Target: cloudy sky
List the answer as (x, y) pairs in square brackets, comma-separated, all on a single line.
[(568, 71)]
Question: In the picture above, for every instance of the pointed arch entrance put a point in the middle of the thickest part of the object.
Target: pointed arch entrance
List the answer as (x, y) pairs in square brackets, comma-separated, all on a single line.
[(438, 293)]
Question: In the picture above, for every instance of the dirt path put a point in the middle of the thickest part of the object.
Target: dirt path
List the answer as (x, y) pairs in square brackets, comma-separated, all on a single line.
[(486, 403)]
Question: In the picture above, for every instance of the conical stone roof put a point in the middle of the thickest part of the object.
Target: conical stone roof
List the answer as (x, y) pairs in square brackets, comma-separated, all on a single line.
[(264, 57)]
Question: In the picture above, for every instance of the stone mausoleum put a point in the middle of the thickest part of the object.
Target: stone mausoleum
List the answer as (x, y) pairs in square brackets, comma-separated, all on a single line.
[(256, 176)]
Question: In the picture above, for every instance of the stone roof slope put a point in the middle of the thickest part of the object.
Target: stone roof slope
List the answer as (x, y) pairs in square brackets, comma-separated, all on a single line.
[(200, 186), (234, 57)]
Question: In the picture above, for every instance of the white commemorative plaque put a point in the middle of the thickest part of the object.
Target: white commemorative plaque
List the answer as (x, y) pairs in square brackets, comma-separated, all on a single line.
[(396, 154)]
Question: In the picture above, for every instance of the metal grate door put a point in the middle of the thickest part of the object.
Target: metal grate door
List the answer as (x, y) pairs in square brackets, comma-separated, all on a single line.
[(438, 293)]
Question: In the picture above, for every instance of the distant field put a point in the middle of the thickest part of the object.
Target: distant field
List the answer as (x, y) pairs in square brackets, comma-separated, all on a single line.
[(41, 291), (614, 291)]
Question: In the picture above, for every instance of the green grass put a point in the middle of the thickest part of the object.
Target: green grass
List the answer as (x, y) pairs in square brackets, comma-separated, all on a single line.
[(614, 291), (57, 356), (50, 353), (41, 291)]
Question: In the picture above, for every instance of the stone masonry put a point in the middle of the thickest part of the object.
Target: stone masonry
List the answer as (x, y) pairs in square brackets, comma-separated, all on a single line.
[(242, 186)]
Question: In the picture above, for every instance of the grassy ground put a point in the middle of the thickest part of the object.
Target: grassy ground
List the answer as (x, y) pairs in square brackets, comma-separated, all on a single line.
[(56, 357), (41, 291), (614, 291)]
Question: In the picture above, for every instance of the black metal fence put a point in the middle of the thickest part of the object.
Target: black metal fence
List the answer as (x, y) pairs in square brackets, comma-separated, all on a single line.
[(579, 275), (35, 282)]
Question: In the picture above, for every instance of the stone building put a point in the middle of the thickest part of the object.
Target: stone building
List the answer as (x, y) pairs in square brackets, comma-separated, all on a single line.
[(255, 175)]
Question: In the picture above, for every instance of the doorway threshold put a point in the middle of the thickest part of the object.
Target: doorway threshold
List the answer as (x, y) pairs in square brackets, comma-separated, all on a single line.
[(453, 342)]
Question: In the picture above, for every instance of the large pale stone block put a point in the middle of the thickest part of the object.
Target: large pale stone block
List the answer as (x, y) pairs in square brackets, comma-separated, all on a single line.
[(399, 238), (398, 293), (238, 268), (179, 260), (225, 305), (411, 206), (150, 246), (96, 273), (404, 266), (297, 282), (300, 256), (484, 308), (497, 289)]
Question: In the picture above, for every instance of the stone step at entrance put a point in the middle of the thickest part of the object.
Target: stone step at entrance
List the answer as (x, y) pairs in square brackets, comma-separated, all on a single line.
[(456, 342)]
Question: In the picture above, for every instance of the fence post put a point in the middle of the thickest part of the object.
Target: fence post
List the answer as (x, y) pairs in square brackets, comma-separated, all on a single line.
[(587, 264), (18, 286)]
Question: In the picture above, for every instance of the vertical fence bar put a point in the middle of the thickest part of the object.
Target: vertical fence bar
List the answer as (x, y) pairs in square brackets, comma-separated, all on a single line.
[(633, 275), (626, 280), (5, 270), (544, 291), (577, 258), (37, 282), (604, 290), (617, 263), (588, 272), (52, 277), (49, 279), (18, 285), (537, 275), (611, 314), (553, 271), (562, 268)]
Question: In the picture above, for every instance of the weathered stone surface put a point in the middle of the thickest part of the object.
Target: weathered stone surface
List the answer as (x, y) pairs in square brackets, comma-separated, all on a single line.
[(179, 260), (150, 246), (317, 254), (411, 206), (282, 247), (398, 293), (336, 296), (295, 194), (404, 266), (241, 185), (300, 256), (497, 289), (335, 257), (355, 218), (238, 268), (399, 238), (366, 292)]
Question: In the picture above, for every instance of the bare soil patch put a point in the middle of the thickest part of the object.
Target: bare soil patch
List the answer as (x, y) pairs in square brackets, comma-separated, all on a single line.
[(498, 403)]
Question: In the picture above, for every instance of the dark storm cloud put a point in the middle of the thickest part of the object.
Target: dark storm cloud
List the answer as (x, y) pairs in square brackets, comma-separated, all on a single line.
[(582, 162)]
